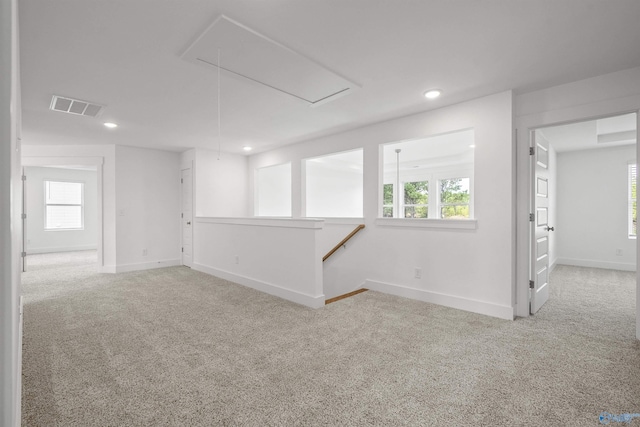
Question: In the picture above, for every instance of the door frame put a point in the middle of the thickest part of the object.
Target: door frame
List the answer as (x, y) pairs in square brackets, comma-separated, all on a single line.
[(79, 161), (525, 125)]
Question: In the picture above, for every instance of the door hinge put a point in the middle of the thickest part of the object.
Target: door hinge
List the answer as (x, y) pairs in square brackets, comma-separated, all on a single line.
[(532, 217), (24, 216), (532, 151), (24, 177), (181, 181), (181, 215), (23, 254), (532, 284), (182, 249)]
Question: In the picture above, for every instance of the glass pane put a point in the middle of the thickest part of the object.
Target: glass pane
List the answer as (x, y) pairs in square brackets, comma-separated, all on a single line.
[(416, 212), (454, 190), (387, 212), (388, 194), (416, 193), (64, 217), (63, 193), (454, 212)]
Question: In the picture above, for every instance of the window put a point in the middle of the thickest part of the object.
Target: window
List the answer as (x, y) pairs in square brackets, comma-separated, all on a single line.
[(436, 174), (64, 208), (632, 205), (273, 190), (334, 185)]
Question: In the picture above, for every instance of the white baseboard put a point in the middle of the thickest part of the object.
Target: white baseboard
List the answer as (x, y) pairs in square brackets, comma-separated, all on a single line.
[(111, 269), (31, 251), (481, 307), (597, 264), (124, 268), (269, 288)]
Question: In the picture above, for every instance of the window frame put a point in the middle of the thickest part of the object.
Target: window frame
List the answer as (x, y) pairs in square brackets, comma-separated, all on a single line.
[(433, 175), (47, 204), (464, 173)]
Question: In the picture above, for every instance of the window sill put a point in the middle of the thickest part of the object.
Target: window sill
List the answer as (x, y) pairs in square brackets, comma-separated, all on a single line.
[(452, 224)]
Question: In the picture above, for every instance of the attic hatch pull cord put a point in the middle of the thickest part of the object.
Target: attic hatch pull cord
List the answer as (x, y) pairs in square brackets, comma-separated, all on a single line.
[(219, 132)]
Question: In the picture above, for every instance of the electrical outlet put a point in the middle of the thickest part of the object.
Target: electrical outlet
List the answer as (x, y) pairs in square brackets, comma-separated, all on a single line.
[(144, 252), (618, 252), (417, 273)]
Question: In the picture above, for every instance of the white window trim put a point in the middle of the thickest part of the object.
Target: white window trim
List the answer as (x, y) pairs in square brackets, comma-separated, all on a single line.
[(462, 173)]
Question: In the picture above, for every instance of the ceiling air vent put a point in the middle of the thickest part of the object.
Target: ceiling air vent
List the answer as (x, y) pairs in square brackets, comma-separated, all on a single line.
[(75, 106)]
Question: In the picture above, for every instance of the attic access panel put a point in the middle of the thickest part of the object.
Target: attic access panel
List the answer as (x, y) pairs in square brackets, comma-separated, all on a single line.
[(256, 57)]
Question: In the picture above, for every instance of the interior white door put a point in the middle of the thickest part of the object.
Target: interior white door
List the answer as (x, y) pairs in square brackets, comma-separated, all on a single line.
[(539, 289), (187, 217)]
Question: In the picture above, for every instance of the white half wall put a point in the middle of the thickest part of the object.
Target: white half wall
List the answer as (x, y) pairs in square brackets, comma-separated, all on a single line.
[(278, 256), (40, 240), (592, 208)]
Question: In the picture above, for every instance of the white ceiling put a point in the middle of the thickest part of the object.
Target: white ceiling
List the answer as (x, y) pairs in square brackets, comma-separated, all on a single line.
[(591, 134), (126, 55)]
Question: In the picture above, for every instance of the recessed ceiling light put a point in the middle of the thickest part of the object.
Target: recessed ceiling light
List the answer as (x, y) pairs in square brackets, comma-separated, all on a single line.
[(247, 148), (472, 146), (432, 94), (111, 125)]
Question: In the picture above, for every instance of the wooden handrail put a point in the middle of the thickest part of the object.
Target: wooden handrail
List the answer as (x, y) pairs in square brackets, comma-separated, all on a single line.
[(342, 243)]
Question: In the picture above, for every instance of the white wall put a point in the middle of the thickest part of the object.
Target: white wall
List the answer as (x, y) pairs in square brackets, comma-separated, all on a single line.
[(10, 223), (220, 186), (148, 208), (606, 95), (273, 190), (472, 268), (140, 200), (592, 208), (40, 240), (333, 192)]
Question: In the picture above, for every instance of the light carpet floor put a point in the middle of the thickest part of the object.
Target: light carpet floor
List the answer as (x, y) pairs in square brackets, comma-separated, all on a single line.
[(175, 347)]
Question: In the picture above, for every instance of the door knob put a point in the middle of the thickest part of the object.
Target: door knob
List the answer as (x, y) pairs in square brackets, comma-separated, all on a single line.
[(550, 229), (188, 222)]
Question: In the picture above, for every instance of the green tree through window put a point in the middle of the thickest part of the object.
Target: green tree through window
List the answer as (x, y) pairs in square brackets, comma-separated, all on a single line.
[(416, 199), (454, 198), (387, 204)]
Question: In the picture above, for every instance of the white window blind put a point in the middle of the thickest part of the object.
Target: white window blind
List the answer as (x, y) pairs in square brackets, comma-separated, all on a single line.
[(63, 205), (632, 205)]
